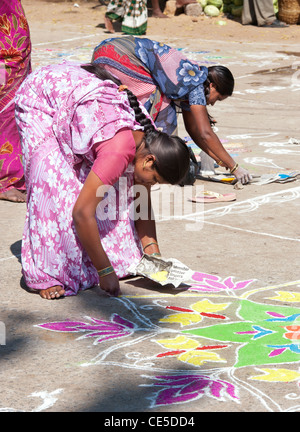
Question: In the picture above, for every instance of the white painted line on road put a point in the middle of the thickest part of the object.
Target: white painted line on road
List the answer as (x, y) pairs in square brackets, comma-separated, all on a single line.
[(254, 204), (253, 232), (13, 256), (245, 206), (66, 40)]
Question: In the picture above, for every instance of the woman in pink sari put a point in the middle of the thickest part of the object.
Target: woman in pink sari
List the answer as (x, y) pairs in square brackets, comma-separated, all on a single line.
[(15, 65), (81, 131)]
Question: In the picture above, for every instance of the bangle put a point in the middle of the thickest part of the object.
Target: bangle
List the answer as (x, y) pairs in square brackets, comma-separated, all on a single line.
[(149, 244), (234, 168), (106, 271), (155, 254)]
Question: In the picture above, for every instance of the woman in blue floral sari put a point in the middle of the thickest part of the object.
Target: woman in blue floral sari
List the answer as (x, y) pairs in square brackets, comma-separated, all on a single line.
[(166, 82)]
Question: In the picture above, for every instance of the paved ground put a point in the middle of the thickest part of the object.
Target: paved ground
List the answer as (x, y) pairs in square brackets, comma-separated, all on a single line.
[(229, 341)]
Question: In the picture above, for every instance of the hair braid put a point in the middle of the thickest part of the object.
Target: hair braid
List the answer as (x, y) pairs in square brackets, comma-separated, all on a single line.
[(103, 74), (139, 115), (172, 155)]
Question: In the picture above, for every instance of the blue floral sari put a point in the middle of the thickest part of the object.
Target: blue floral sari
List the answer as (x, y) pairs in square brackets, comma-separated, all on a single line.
[(157, 74)]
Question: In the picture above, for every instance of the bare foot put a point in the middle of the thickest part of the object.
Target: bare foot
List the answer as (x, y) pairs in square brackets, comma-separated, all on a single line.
[(108, 25), (14, 195), (158, 14), (52, 292)]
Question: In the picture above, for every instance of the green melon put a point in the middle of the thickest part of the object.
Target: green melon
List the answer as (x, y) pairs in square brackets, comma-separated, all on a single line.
[(203, 3), (216, 3), (211, 11)]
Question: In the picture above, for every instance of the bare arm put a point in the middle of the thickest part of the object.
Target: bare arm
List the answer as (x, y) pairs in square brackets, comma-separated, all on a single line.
[(87, 230), (198, 126), (146, 228)]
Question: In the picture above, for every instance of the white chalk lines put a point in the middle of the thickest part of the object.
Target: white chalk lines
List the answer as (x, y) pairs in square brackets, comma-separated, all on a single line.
[(48, 401), (246, 206), (10, 257), (204, 216), (254, 232), (68, 40)]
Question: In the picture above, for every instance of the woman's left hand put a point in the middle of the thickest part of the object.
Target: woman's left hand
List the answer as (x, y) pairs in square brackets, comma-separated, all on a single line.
[(110, 283)]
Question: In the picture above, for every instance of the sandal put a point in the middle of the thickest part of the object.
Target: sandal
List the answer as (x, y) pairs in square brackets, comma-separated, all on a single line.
[(276, 23), (209, 196)]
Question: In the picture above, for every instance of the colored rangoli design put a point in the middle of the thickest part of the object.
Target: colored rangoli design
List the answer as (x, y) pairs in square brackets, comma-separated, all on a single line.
[(198, 343)]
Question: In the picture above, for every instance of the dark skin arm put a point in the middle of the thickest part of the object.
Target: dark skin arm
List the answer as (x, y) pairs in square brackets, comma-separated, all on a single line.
[(198, 126), (87, 230), (146, 229)]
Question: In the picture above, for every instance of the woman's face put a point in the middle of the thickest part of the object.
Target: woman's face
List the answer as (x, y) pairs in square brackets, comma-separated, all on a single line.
[(214, 96), (145, 173)]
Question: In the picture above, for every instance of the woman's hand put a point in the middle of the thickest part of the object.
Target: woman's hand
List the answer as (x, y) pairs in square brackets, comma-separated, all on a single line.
[(110, 283), (242, 175)]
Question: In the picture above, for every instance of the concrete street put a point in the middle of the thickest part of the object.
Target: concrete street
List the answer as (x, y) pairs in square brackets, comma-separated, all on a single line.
[(228, 342)]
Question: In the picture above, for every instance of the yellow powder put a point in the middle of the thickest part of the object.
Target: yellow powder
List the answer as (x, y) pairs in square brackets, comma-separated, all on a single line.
[(160, 276)]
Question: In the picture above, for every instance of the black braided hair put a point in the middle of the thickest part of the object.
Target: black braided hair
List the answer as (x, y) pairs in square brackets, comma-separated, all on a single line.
[(171, 153)]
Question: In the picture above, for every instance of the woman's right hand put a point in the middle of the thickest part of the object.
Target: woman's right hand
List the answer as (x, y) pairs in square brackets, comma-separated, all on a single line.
[(110, 283), (242, 175)]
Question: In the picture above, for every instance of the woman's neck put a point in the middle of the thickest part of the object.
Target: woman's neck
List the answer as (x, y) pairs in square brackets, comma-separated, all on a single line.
[(138, 137)]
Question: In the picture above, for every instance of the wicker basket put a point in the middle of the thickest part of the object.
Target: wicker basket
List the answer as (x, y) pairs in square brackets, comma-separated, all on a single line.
[(289, 11)]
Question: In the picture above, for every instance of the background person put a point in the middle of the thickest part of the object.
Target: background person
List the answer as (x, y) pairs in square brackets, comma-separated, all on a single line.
[(260, 13), (133, 15), (165, 82), (15, 65)]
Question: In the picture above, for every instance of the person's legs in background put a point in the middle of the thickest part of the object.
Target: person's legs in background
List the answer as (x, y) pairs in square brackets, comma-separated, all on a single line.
[(260, 13), (15, 65)]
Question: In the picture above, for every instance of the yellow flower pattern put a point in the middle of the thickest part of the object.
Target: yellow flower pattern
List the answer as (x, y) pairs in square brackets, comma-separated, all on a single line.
[(277, 375), (286, 296), (198, 311), (190, 351)]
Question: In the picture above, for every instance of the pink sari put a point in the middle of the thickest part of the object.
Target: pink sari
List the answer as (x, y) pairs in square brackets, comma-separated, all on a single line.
[(15, 65), (62, 111)]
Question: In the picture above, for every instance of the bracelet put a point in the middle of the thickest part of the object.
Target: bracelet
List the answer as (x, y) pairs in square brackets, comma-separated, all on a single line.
[(234, 168), (155, 254), (149, 244), (106, 271)]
